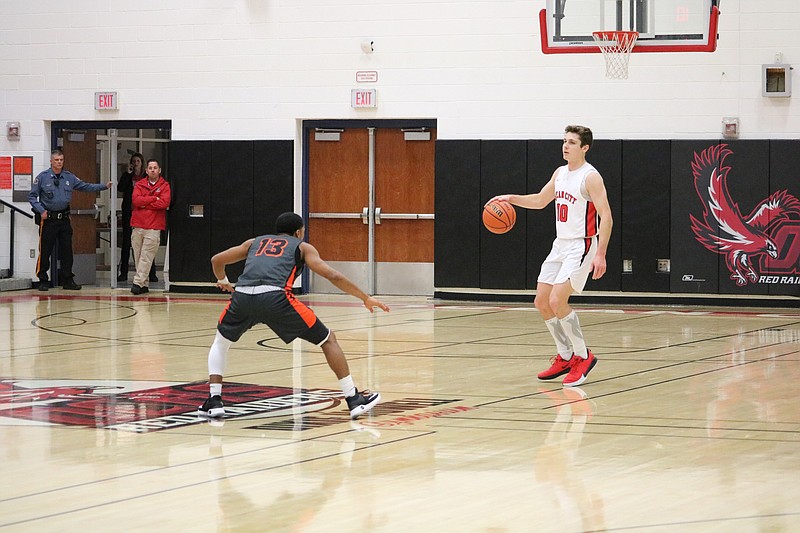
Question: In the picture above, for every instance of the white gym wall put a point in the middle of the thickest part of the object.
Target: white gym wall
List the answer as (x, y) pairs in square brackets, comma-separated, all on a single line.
[(250, 69)]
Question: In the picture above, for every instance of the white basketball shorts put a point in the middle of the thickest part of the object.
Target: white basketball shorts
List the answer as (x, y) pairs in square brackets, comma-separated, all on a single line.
[(569, 259)]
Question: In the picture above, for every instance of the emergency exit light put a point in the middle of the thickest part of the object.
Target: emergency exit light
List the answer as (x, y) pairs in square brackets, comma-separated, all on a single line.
[(364, 98), (106, 101)]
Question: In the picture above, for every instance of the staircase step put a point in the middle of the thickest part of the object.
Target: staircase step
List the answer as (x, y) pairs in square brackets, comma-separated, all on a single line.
[(15, 284)]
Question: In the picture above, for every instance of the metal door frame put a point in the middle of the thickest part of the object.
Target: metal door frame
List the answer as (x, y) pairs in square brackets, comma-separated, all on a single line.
[(370, 214), (110, 138)]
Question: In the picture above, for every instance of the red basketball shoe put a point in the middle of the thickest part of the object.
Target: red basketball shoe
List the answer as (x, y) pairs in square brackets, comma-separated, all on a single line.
[(580, 368), (558, 367)]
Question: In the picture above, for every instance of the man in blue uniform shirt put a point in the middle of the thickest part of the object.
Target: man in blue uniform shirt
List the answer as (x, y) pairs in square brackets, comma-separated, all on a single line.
[(50, 195)]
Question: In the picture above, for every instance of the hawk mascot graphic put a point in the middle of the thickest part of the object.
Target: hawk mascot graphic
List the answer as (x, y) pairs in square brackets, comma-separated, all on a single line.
[(723, 229)]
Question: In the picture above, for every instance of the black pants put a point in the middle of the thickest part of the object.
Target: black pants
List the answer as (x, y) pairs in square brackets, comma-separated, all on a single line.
[(125, 247), (54, 230)]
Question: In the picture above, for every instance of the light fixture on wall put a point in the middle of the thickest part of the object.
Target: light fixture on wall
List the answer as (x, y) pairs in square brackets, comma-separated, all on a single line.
[(730, 127), (12, 131), (368, 46)]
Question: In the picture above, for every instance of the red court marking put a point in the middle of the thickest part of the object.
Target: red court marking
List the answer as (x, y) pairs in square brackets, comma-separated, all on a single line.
[(655, 310)]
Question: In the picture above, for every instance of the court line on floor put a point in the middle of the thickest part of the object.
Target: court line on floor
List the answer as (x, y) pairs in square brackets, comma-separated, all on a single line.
[(195, 484)]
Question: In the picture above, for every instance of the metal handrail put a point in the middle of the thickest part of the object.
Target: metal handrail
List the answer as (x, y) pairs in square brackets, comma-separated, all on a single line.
[(15, 208), (14, 211)]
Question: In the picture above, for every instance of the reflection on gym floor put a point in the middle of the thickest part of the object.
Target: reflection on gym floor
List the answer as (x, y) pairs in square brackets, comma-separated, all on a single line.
[(689, 422)]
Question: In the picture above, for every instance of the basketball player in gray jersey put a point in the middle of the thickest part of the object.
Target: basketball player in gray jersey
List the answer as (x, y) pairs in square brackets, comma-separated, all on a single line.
[(263, 294)]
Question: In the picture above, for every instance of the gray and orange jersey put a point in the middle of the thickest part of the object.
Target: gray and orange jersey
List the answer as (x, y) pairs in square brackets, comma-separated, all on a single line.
[(272, 260)]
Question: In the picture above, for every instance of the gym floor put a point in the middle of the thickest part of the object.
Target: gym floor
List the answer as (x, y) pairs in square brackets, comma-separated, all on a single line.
[(689, 421)]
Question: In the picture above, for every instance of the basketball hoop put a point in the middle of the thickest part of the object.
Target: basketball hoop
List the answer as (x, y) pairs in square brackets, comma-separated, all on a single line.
[(616, 47)]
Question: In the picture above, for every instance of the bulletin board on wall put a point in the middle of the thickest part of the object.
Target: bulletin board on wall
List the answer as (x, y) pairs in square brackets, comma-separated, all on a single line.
[(5, 173), (23, 178)]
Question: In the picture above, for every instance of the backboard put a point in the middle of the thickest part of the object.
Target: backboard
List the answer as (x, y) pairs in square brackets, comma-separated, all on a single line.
[(663, 25)]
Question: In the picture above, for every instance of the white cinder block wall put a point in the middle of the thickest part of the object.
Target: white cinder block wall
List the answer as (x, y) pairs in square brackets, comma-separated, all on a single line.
[(250, 69)]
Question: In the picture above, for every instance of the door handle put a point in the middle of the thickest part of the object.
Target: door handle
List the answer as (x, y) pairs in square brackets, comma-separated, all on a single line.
[(334, 215), (377, 215), (93, 211), (408, 216)]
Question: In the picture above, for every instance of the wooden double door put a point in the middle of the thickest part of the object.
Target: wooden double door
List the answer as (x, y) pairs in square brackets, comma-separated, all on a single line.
[(80, 159), (371, 204)]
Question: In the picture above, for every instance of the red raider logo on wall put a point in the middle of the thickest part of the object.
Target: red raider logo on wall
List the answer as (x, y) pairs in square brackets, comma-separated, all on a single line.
[(769, 233)]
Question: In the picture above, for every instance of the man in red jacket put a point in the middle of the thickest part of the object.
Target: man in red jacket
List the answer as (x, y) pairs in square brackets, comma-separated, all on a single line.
[(151, 198)]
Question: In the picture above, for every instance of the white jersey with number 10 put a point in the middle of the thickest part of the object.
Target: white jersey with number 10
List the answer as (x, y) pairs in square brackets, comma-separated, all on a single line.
[(576, 216)]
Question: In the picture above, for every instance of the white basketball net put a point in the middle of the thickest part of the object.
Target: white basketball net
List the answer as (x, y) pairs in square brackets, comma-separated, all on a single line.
[(616, 47)]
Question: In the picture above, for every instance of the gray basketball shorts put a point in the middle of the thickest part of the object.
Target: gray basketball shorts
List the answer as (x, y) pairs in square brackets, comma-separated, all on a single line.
[(280, 311)]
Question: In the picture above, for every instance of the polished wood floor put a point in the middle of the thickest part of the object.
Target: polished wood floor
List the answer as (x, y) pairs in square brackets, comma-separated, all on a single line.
[(690, 422)]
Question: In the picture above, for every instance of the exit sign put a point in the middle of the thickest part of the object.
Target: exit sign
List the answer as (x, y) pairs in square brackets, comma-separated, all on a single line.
[(103, 101), (364, 98)]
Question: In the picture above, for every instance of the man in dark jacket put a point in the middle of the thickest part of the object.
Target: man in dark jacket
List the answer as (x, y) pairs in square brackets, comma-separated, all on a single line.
[(50, 195)]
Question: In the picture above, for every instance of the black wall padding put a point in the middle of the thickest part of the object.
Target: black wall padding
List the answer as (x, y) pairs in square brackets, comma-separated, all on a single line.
[(652, 194), (784, 174), (694, 269), (748, 185), (643, 224), (606, 157), (273, 179), (544, 156), (503, 167), (190, 237), (458, 207), (243, 186), (232, 197)]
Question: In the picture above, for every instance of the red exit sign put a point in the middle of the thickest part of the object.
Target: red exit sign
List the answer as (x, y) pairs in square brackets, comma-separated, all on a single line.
[(104, 101), (364, 98)]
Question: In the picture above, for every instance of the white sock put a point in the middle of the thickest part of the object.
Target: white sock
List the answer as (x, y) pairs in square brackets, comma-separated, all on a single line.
[(562, 341), (215, 389), (572, 327), (348, 387)]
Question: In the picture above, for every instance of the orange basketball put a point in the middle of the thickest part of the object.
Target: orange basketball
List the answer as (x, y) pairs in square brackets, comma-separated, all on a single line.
[(499, 216)]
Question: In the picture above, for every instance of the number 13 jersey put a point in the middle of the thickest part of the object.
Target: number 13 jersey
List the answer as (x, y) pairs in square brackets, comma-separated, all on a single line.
[(272, 260)]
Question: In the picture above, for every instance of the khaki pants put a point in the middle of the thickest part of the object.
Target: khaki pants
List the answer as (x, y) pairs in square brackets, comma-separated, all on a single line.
[(145, 244)]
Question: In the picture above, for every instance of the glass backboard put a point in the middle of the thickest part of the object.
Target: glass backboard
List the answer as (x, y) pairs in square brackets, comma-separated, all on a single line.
[(663, 25)]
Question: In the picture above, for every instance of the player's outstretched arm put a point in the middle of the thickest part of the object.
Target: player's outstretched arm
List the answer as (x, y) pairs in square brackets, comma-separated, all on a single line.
[(538, 200), (228, 257), (318, 266)]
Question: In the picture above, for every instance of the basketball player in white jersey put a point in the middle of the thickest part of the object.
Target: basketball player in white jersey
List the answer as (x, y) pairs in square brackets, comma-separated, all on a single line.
[(263, 294), (580, 248)]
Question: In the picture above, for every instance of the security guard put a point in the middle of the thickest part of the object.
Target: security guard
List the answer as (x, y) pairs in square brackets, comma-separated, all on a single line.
[(50, 195)]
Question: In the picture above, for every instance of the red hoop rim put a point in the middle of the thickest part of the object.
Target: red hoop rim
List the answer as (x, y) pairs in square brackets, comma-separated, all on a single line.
[(611, 35)]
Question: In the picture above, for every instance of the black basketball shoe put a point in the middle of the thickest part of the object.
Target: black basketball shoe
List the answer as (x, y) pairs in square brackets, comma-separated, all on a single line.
[(212, 407), (362, 402)]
